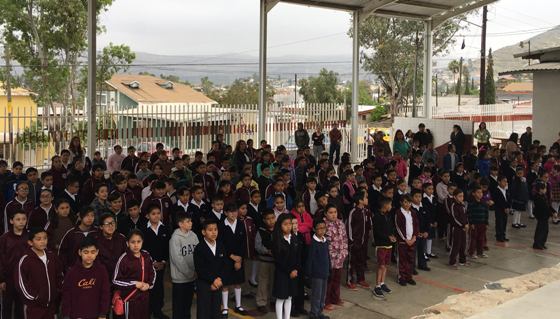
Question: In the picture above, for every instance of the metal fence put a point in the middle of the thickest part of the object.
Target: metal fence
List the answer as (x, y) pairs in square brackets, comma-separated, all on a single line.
[(35, 137)]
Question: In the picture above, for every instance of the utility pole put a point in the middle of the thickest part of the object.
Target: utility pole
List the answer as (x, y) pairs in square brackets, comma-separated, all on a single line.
[(459, 85), (295, 90), (414, 112), (482, 95), (9, 100)]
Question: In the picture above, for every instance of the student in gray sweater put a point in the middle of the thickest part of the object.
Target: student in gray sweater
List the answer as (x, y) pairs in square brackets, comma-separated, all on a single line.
[(318, 268), (183, 276)]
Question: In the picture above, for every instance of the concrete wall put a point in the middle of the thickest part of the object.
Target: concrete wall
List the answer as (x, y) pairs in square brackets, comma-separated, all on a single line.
[(546, 110)]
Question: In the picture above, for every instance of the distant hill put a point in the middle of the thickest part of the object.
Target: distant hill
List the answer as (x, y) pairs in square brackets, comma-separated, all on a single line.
[(504, 60)]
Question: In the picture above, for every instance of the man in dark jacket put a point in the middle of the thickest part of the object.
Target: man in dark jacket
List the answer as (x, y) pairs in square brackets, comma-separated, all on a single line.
[(301, 136), (526, 139)]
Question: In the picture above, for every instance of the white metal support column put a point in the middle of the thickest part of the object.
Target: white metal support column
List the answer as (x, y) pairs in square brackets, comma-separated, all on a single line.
[(428, 52), (355, 87), (92, 70), (262, 69)]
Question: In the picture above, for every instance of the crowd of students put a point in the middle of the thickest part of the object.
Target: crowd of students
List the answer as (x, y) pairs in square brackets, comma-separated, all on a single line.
[(88, 238)]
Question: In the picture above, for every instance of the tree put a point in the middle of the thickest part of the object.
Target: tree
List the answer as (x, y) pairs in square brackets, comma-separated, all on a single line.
[(365, 94), (112, 60), (210, 90), (174, 79), (490, 84), (377, 113), (392, 43), (467, 79), (321, 89), (245, 91)]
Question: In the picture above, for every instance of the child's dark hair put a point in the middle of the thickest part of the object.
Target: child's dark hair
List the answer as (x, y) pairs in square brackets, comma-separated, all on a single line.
[(406, 197), (196, 188), (208, 222), (135, 232), (113, 197), (88, 241), (158, 185), (31, 170), (231, 207), (360, 195), (86, 210), (153, 207), (132, 203), (217, 198), (426, 185), (119, 179), (415, 191), (104, 216), (383, 202), (182, 191), (457, 192), (18, 212), (475, 188), (99, 186), (267, 212), (539, 186), (317, 222), (182, 217), (311, 180), (34, 231)]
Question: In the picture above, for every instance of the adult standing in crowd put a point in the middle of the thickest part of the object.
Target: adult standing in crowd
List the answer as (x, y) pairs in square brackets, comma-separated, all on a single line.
[(240, 156), (335, 137), (511, 146), (526, 139), (301, 136), (458, 139), (400, 145), (482, 136), (423, 136), (318, 141)]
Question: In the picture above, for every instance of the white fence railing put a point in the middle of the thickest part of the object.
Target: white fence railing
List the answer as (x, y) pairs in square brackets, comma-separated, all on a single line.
[(37, 135)]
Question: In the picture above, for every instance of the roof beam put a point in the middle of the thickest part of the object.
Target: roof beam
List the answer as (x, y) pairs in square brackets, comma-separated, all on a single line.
[(271, 4), (373, 5), (439, 19), (321, 4), (423, 4), (397, 14)]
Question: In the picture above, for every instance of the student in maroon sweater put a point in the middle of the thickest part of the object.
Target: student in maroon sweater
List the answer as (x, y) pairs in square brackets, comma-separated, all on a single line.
[(70, 243), (135, 274), (121, 188), (406, 223), (160, 199), (86, 291), (459, 225), (359, 227), (110, 243), (243, 194), (59, 174), (20, 203), (39, 278), (41, 215), (13, 245), (87, 192)]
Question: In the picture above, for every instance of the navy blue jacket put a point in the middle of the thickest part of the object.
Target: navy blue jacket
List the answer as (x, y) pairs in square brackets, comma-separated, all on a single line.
[(318, 261)]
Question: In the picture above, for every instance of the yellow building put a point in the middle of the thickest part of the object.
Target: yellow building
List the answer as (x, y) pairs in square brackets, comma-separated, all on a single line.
[(24, 110)]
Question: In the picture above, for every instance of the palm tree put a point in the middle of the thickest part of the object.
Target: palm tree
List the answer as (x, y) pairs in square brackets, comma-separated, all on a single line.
[(454, 67)]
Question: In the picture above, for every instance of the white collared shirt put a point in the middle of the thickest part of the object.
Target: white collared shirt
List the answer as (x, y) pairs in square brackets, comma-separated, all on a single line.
[(47, 210), (254, 206), (288, 238), (417, 207), (212, 247), (197, 204), (430, 198), (156, 231), (375, 188), (233, 225), (217, 214), (184, 206), (503, 190), (409, 224), (319, 239)]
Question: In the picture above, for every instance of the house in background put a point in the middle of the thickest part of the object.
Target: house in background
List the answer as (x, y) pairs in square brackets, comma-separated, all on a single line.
[(24, 110)]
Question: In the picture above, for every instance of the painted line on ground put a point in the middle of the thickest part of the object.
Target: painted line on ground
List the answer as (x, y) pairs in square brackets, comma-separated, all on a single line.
[(438, 284)]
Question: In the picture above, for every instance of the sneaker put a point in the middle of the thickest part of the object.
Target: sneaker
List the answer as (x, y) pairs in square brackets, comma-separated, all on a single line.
[(473, 256), (454, 266), (515, 225), (225, 313), (329, 307), (377, 293), (411, 282), (402, 282), (364, 285), (522, 226), (385, 289), (351, 286), (253, 283), (484, 256), (432, 255), (466, 264), (241, 311)]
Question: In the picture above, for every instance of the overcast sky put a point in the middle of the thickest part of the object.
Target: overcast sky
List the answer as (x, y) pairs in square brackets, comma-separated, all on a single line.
[(216, 27)]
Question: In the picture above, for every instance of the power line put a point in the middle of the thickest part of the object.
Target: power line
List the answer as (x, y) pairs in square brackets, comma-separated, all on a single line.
[(197, 64)]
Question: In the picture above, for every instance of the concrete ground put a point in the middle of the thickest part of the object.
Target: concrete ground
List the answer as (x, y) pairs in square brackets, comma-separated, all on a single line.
[(505, 260)]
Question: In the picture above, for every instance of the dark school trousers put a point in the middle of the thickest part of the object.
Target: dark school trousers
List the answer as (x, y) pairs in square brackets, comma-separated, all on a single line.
[(458, 246), (420, 249), (36, 312), (358, 262), (10, 300), (334, 153), (541, 233), (501, 224), (182, 300), (477, 239), (156, 294), (406, 260), (208, 302), (318, 294), (333, 287)]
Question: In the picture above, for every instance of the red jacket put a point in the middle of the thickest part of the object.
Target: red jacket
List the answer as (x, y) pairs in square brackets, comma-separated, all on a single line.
[(12, 247), (459, 216), (305, 225), (110, 250), (15, 206), (400, 225), (39, 284), (70, 244), (164, 203), (359, 226), (39, 218), (86, 292)]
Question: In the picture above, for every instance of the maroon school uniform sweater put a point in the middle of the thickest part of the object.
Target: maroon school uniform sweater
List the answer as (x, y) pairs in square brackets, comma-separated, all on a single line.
[(15, 206), (126, 197), (59, 179), (243, 194), (129, 270), (70, 243), (86, 292), (164, 203), (400, 225), (110, 250), (12, 247), (250, 235), (39, 218), (39, 284)]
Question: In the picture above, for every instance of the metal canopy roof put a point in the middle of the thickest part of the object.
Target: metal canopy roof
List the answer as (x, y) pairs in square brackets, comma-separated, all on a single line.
[(436, 10)]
